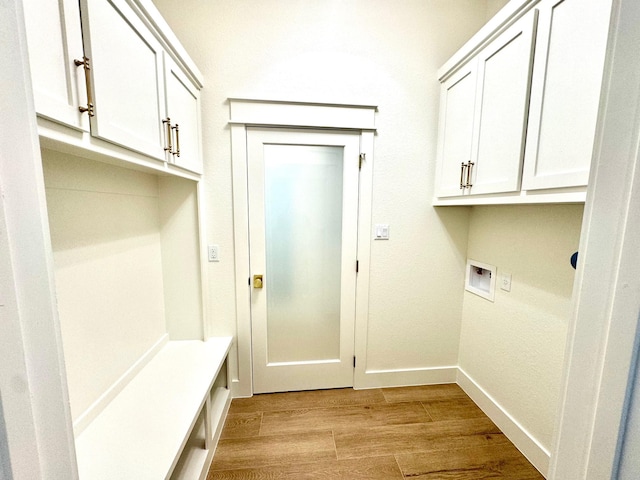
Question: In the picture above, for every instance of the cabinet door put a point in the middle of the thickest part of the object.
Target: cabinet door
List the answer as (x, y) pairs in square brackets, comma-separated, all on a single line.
[(457, 99), (502, 99), (183, 109), (567, 78), (54, 40), (127, 77)]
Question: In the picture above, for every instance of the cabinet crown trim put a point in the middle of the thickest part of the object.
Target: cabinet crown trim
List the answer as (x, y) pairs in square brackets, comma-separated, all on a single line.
[(511, 12)]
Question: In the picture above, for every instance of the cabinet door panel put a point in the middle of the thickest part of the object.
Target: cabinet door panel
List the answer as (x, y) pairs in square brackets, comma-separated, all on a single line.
[(457, 98), (183, 108), (504, 74), (54, 40), (567, 79), (127, 77)]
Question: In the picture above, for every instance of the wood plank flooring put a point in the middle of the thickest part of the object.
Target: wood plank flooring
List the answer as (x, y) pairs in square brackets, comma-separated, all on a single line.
[(431, 432)]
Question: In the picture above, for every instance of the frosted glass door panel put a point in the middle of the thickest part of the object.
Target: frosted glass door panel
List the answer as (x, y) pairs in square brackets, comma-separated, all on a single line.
[(303, 240)]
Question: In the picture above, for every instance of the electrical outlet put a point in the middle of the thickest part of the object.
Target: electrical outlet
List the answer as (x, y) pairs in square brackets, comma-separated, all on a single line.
[(505, 282), (214, 253)]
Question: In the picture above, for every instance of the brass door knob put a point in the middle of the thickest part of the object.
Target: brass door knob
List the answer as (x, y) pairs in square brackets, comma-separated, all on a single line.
[(257, 281)]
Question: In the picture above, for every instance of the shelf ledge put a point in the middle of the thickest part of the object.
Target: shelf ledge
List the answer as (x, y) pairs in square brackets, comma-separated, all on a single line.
[(143, 431), (566, 195)]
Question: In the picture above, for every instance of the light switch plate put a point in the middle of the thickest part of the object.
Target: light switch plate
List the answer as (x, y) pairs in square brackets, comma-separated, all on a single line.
[(381, 231)]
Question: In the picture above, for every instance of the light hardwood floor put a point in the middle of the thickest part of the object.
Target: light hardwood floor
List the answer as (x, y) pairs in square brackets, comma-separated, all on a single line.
[(431, 432)]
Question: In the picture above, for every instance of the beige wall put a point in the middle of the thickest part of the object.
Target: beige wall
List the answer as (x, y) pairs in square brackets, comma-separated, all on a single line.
[(493, 6), (514, 347), (378, 52), (105, 234)]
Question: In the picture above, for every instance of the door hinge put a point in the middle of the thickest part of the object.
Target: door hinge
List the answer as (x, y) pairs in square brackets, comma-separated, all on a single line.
[(357, 266), (361, 159), (354, 361), (249, 281)]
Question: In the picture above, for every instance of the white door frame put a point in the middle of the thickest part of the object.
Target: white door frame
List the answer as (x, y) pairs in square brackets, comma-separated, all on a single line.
[(600, 351), (263, 113), (36, 435)]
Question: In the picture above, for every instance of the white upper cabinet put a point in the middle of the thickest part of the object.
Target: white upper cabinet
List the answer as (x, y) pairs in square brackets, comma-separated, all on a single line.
[(457, 99), (127, 77), (538, 67), (567, 79), (502, 98), (116, 82), (54, 40), (483, 116), (183, 114)]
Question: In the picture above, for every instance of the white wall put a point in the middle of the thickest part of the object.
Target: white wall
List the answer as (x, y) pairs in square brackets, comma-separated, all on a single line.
[(513, 348), (493, 6), (105, 234), (181, 266), (378, 52)]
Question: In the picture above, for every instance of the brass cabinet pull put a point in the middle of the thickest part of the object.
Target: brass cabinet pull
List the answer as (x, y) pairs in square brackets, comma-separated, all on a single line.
[(167, 124), (462, 165), (469, 167), (257, 281), (90, 109), (177, 152)]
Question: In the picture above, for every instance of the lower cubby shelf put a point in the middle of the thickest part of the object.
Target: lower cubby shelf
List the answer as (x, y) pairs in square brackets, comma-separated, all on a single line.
[(157, 426)]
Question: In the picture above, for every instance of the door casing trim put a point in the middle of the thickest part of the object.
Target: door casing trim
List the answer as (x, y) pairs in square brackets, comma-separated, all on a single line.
[(244, 113)]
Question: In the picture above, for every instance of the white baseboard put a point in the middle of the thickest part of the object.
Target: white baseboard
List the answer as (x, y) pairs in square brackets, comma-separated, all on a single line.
[(521, 438), (112, 392), (404, 377), (240, 389)]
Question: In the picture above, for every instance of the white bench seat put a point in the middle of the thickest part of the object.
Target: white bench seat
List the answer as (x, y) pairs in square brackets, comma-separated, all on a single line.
[(144, 432)]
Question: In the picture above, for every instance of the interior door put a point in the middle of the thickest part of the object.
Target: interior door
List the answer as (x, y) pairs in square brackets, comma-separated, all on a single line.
[(303, 209)]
